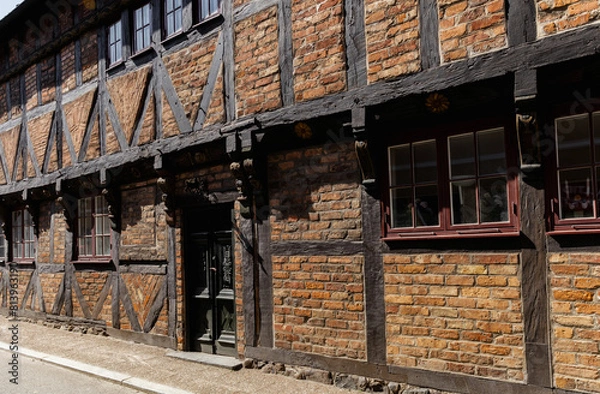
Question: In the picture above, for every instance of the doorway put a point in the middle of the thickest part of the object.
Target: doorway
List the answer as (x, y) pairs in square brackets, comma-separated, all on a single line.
[(209, 278)]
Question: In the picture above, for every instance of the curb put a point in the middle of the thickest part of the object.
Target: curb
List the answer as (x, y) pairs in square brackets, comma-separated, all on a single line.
[(101, 373)]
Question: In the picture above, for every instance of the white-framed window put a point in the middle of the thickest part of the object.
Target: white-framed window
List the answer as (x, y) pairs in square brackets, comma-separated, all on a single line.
[(173, 16), (23, 235), (142, 28), (93, 228), (115, 43)]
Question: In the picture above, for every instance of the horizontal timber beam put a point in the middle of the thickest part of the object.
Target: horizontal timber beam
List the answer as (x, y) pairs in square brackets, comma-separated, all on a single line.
[(562, 47)]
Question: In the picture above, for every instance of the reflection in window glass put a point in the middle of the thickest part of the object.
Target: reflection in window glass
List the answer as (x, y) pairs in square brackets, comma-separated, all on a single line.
[(490, 146), (93, 227), (462, 156), (23, 235), (478, 194), (413, 177), (576, 198), (573, 140)]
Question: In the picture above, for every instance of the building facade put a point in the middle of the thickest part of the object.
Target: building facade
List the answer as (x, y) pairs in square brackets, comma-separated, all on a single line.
[(402, 190)]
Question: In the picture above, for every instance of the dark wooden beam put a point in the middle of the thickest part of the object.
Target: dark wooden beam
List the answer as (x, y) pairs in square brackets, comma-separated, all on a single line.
[(429, 23), (265, 278), (286, 52), (356, 52), (172, 281), (253, 7), (521, 24), (228, 60), (534, 276), (215, 68)]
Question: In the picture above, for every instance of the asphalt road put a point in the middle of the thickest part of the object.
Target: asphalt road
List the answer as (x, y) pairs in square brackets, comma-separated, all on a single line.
[(38, 377)]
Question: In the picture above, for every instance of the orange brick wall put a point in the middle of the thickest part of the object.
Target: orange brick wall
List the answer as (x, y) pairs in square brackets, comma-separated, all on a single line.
[(471, 27), (559, 15), (392, 32), (143, 225), (315, 194), (319, 305), (318, 41), (258, 82), (455, 313), (575, 311)]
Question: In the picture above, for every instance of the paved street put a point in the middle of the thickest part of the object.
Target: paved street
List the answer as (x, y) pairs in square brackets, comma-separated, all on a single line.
[(146, 367), (38, 377)]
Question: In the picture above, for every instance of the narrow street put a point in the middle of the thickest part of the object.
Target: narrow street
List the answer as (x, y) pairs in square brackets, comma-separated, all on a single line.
[(38, 377)]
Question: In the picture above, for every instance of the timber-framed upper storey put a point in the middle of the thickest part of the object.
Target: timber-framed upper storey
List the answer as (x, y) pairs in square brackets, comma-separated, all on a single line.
[(388, 187)]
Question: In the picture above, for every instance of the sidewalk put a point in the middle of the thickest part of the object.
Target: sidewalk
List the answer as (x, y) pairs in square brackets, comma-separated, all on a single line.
[(143, 367)]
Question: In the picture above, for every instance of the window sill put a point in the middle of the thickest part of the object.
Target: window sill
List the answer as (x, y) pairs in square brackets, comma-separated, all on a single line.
[(172, 37), (575, 229), (456, 234), (208, 20), (141, 53), (92, 260), (115, 65)]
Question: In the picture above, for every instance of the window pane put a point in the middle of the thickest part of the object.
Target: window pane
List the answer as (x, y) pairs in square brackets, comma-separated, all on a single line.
[(214, 6), (493, 200), (573, 140), (204, 11), (402, 207), (491, 150), (400, 165), (462, 156), (425, 159), (596, 122), (426, 206), (575, 194), (464, 202)]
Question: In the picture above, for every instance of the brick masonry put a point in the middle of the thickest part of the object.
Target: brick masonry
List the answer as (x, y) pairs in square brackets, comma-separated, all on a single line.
[(314, 194), (258, 82), (555, 16), (319, 305), (575, 311), (188, 69), (318, 42), (471, 27), (143, 226), (392, 38), (455, 313)]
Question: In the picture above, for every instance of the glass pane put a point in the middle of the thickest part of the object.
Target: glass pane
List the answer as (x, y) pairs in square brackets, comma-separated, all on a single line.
[(214, 6), (400, 165), (169, 6), (204, 11), (462, 156), (493, 200), (106, 248), (30, 250), (170, 24), (402, 207), (596, 122), (178, 18), (425, 159), (464, 202), (88, 246), (573, 140), (575, 193), (491, 151), (426, 206)]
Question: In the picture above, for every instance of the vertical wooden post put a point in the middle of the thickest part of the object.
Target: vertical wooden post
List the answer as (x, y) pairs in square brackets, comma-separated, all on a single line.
[(533, 255)]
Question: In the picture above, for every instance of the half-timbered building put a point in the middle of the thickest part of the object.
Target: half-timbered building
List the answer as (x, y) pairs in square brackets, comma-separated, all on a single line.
[(402, 190)]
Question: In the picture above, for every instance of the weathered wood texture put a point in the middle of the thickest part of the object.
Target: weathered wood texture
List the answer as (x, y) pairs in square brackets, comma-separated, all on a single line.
[(429, 34)]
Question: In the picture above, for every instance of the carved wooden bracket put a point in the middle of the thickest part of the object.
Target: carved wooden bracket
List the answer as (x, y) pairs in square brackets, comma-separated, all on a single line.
[(113, 200), (361, 146), (247, 168), (167, 189)]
